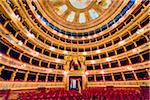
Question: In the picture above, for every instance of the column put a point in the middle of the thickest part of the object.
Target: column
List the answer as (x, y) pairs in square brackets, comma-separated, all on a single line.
[(112, 77), (146, 38), (56, 66), (66, 68), (37, 76), (129, 60), (46, 77), (13, 75), (40, 62), (94, 77), (1, 69), (123, 76), (8, 51), (119, 63), (82, 66), (67, 81), (103, 77), (134, 75), (148, 71), (20, 56), (55, 77), (26, 76), (109, 64), (84, 82), (79, 86), (6, 23), (142, 59)]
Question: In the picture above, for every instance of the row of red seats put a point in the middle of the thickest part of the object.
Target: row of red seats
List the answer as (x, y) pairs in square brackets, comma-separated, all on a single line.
[(93, 93), (98, 93), (51, 94)]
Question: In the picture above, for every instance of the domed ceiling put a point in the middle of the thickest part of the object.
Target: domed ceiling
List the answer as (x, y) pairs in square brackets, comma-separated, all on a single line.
[(79, 15)]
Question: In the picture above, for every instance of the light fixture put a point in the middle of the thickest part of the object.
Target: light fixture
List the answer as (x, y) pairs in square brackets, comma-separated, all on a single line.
[(0, 56), (121, 43), (36, 53), (33, 7), (18, 17), (30, 35), (12, 41), (42, 22), (20, 42), (121, 19), (84, 53), (136, 1), (102, 72), (114, 25), (86, 73), (13, 15), (98, 51), (72, 37), (89, 37), (65, 73), (66, 36), (129, 68), (65, 52), (39, 16), (53, 31), (93, 62), (14, 66), (57, 60), (24, 65), (134, 50), (100, 33), (95, 35), (49, 70), (139, 31), (83, 37), (59, 34), (108, 59), (52, 48)]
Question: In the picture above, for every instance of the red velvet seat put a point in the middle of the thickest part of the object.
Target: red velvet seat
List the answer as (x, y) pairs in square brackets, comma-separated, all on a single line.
[(87, 94)]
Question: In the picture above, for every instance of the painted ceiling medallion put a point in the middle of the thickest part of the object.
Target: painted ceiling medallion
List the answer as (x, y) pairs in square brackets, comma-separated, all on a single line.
[(79, 14), (64, 10), (80, 4)]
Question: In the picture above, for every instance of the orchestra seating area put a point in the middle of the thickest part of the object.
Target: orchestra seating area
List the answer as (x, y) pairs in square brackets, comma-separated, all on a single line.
[(51, 94), (94, 93), (112, 94)]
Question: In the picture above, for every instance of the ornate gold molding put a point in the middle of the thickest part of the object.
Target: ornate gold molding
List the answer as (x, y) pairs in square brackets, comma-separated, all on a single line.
[(29, 85), (20, 65), (120, 56), (122, 69), (120, 83)]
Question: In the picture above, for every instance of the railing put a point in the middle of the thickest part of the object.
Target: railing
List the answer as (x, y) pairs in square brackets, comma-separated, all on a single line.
[(29, 85), (120, 83), (123, 68), (17, 64)]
